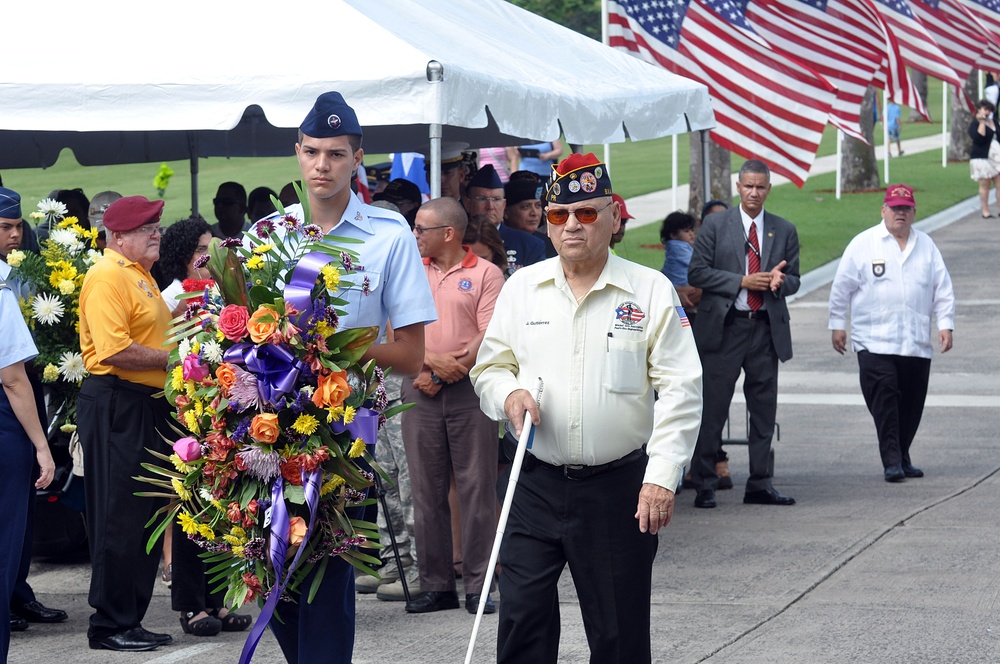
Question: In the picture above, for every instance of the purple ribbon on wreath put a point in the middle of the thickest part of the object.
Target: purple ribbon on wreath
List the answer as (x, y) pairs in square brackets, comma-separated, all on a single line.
[(273, 386)]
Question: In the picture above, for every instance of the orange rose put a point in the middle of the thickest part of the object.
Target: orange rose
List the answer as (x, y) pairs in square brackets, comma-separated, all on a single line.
[(263, 323), (226, 375), (264, 428), (296, 530), (331, 390)]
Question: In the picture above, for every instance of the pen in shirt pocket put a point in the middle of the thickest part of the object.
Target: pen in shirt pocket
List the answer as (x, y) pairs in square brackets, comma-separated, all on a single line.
[(610, 337)]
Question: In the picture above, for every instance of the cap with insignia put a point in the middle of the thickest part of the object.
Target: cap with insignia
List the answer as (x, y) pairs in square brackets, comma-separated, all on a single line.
[(522, 189), (486, 178), (399, 191), (98, 206), (451, 154), (331, 116), (10, 204), (578, 177), (131, 212), (899, 195)]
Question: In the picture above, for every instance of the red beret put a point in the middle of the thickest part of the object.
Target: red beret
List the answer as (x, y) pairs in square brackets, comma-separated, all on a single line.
[(131, 212)]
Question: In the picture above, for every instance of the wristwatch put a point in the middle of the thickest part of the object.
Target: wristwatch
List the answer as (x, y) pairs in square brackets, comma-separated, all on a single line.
[(436, 379)]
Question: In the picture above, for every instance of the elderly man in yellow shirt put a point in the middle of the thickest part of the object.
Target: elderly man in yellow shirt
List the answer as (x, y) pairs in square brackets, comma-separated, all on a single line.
[(123, 325)]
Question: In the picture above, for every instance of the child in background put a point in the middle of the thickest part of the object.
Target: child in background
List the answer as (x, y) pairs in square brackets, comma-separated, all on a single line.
[(678, 234)]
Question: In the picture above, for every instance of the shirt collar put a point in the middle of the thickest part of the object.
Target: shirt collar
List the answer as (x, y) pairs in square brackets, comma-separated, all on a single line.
[(613, 274), (113, 255), (469, 260), (355, 215)]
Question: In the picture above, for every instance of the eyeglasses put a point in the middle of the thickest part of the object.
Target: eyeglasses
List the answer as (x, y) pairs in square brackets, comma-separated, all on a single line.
[(149, 230), (586, 215), (490, 199), (420, 230)]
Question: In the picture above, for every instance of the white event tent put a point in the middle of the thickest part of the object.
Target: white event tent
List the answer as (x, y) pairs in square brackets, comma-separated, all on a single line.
[(140, 82)]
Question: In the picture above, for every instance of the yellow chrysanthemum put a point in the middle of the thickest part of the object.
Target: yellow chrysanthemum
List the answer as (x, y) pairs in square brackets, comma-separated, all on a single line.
[(180, 465), (323, 329), (230, 540), (349, 412), (263, 248), (255, 262), (195, 346), (67, 222), (331, 276), (191, 420), (199, 407), (219, 336), (180, 489), (357, 448), (334, 414), (238, 532), (331, 484), (177, 378), (188, 524), (68, 428), (238, 551), (50, 373), (305, 424), (206, 531), (66, 287), (189, 388), (217, 505)]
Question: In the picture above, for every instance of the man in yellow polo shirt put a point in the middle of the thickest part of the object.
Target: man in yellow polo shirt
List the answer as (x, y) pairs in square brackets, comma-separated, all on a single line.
[(123, 324)]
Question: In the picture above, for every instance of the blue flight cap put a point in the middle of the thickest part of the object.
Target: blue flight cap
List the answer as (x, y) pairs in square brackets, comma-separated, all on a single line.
[(331, 116), (487, 178), (10, 204)]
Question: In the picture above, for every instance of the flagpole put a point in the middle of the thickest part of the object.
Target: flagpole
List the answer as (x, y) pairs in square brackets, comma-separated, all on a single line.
[(673, 171), (605, 39), (944, 125), (840, 154), (885, 130)]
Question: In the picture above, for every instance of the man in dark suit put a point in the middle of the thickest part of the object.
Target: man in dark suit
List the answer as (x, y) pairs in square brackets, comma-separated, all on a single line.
[(746, 261)]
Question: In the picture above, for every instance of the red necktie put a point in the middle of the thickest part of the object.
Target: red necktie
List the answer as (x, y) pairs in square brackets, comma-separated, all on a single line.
[(754, 298)]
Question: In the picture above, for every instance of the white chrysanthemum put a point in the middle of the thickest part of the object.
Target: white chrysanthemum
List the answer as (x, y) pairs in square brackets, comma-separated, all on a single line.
[(72, 368), (92, 256), (212, 351), (66, 287), (184, 348), (47, 309), (14, 258), (52, 207), (206, 494), (65, 237)]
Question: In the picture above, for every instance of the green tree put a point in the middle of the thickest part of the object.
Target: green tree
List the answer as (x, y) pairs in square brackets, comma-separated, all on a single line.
[(584, 16)]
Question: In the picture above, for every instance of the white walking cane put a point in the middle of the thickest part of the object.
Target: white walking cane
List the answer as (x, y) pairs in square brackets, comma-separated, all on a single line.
[(515, 472)]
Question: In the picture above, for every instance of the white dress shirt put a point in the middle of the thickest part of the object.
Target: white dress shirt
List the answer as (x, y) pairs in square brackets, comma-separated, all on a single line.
[(891, 293), (600, 360), (741, 299)]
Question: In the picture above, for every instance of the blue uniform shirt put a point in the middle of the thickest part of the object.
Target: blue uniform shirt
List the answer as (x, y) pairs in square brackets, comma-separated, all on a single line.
[(16, 344), (398, 289)]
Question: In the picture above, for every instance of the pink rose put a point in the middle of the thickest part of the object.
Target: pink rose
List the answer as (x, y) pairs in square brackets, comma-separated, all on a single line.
[(233, 321), (194, 369), (188, 449)]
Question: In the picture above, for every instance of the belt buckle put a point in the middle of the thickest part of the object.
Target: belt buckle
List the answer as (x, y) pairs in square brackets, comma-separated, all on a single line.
[(567, 469)]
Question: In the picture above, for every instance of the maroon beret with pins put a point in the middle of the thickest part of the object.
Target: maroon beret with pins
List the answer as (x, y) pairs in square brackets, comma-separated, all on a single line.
[(131, 212)]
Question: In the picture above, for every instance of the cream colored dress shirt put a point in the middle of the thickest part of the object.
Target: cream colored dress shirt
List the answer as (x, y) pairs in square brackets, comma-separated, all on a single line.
[(601, 360)]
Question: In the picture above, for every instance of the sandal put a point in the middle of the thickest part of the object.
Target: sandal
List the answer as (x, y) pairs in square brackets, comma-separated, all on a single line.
[(231, 622), (207, 626)]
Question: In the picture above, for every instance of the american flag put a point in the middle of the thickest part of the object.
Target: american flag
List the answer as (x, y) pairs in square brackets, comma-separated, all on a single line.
[(845, 41), (988, 13), (683, 316), (962, 38), (918, 48), (768, 106)]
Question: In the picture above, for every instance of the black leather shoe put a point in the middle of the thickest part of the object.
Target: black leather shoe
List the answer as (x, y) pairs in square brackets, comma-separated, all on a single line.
[(766, 497), (17, 623), (472, 604), (131, 640), (912, 471), (162, 639), (37, 613), (431, 601), (705, 498), (894, 473)]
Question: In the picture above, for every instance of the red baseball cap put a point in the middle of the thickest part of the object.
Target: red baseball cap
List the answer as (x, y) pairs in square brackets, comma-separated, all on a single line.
[(131, 212), (899, 194), (621, 204)]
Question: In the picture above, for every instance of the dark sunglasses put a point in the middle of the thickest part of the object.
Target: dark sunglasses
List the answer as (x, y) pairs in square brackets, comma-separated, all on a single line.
[(586, 215)]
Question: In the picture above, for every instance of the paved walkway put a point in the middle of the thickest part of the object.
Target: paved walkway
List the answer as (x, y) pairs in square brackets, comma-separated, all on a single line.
[(858, 571)]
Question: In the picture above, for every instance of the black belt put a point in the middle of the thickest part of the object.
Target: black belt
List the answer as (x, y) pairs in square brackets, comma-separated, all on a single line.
[(583, 472), (761, 314)]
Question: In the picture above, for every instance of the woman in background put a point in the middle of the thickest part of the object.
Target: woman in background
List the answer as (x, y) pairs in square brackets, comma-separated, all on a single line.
[(183, 243)]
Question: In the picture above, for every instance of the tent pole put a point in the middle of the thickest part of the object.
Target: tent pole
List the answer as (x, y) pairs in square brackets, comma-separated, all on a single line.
[(193, 149), (435, 74), (706, 170)]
